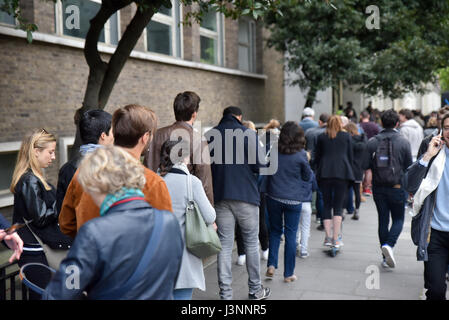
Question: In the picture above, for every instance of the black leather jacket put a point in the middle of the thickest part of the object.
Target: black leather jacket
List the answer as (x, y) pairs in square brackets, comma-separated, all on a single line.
[(33, 202), (108, 249)]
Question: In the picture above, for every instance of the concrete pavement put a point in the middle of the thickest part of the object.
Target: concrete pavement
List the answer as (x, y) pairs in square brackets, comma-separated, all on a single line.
[(355, 274)]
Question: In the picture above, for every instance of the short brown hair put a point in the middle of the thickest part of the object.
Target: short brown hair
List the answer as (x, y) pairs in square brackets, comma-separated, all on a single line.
[(407, 113), (130, 123), (185, 104), (352, 129)]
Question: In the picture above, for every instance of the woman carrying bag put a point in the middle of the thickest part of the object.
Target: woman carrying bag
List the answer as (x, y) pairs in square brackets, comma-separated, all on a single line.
[(35, 203), (173, 169)]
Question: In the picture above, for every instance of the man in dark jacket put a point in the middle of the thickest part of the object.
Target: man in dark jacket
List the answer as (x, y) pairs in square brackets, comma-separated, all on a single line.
[(95, 130), (428, 180), (389, 198), (233, 148), (185, 107)]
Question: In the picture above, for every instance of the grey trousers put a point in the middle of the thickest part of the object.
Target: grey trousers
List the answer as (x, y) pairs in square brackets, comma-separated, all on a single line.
[(247, 216)]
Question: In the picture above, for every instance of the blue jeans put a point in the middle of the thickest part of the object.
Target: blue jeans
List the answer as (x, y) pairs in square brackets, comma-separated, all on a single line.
[(287, 216), (319, 205), (350, 204), (183, 294), (389, 201)]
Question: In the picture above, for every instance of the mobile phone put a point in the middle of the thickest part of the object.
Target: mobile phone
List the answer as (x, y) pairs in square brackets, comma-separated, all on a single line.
[(14, 228)]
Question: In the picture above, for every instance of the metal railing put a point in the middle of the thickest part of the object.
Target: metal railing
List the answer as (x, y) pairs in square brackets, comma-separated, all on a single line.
[(11, 289)]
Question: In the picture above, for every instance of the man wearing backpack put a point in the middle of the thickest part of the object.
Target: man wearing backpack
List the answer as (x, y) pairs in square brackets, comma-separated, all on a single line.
[(390, 156)]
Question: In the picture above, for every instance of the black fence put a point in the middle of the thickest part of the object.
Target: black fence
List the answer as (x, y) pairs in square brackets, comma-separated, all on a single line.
[(9, 292)]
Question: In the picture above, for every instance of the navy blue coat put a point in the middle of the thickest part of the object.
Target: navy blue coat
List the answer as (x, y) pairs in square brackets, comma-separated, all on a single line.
[(232, 179), (4, 224), (108, 249)]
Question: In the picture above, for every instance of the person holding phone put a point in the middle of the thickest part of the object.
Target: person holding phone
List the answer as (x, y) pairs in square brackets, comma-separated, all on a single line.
[(428, 180), (11, 239)]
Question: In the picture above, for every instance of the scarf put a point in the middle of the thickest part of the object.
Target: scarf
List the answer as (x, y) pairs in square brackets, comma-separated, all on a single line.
[(431, 181), (87, 148), (123, 193)]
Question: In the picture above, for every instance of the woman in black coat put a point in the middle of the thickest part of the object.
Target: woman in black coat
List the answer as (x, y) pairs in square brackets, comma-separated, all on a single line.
[(35, 201), (333, 160), (359, 162)]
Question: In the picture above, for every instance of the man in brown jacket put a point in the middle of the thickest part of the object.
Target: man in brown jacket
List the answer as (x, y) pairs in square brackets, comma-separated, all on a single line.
[(185, 107), (133, 127)]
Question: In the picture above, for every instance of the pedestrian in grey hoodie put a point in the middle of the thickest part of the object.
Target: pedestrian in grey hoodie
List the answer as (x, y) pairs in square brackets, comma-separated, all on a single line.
[(411, 130)]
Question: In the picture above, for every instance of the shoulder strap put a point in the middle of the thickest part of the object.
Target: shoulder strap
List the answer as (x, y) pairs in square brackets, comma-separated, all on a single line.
[(144, 261), (189, 187)]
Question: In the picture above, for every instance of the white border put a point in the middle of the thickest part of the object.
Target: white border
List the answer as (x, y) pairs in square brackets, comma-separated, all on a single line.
[(7, 199), (79, 43), (64, 142)]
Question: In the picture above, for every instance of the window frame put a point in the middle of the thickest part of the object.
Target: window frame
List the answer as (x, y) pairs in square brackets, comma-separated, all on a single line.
[(64, 144), (8, 24), (6, 197), (218, 35), (251, 44), (59, 25), (174, 21)]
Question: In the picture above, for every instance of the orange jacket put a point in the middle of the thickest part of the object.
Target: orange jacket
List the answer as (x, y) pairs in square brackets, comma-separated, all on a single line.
[(78, 206)]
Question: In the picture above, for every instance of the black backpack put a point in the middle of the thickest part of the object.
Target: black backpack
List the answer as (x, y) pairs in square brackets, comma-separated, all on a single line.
[(387, 170)]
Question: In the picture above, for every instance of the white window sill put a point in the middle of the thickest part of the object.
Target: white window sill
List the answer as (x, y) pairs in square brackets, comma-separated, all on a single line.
[(75, 43)]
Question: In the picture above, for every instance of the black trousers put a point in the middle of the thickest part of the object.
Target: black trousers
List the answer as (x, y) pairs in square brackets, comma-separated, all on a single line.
[(37, 276), (263, 230), (334, 196), (435, 268)]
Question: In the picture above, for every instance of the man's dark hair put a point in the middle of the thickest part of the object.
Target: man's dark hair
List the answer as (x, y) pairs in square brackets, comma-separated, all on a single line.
[(291, 138), (232, 110), (185, 104), (365, 114), (446, 116), (407, 113), (389, 119), (92, 124), (324, 117)]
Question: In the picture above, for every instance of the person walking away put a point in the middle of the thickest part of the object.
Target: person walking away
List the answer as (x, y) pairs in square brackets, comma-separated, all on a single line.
[(333, 159), (359, 160), (35, 202), (132, 251), (389, 157), (308, 121), (284, 195), (236, 198), (174, 170), (95, 131), (411, 130), (428, 180), (370, 129)]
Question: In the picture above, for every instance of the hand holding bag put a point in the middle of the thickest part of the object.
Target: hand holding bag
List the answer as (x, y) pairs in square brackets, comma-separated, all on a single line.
[(201, 240)]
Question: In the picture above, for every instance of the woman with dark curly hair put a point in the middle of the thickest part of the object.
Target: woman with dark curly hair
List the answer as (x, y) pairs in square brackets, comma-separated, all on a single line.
[(284, 197)]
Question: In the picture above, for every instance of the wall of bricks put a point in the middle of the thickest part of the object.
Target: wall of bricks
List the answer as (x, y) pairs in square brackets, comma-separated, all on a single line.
[(43, 84)]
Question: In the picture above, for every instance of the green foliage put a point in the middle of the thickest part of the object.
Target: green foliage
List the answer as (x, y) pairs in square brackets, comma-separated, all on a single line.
[(12, 8), (443, 77), (325, 46)]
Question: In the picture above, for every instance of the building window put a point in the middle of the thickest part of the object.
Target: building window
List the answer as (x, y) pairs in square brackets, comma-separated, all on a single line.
[(8, 157), (247, 45), (65, 146), (163, 33), (211, 38), (6, 18), (73, 19)]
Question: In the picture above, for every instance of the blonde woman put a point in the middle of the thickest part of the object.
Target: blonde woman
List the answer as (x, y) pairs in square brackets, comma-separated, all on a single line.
[(35, 201), (132, 251)]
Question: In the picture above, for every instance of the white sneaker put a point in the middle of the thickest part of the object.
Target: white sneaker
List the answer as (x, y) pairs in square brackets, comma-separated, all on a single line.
[(241, 260), (265, 255), (389, 257), (384, 264)]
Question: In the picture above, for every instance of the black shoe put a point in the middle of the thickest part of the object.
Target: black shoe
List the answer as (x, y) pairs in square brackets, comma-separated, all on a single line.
[(320, 227), (261, 295), (356, 215)]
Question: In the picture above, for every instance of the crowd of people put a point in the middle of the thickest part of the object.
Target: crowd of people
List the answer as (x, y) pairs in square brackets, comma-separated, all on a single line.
[(113, 215)]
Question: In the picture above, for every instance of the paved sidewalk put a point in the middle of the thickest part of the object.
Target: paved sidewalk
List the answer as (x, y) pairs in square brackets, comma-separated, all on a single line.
[(344, 277)]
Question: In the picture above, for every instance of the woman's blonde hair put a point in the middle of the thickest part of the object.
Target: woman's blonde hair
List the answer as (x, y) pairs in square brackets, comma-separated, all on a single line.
[(273, 124), (26, 159), (334, 126), (351, 127), (109, 169), (249, 124)]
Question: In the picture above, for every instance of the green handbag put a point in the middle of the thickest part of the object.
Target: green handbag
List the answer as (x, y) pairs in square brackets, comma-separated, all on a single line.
[(201, 240)]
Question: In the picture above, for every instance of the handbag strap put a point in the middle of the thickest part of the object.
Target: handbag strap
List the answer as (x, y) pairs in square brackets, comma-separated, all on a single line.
[(189, 188), (143, 264), (37, 238)]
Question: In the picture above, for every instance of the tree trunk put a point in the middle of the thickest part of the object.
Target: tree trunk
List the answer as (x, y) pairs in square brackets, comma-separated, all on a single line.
[(311, 95), (102, 75)]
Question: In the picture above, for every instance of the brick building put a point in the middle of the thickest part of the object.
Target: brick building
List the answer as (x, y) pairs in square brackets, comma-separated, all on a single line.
[(225, 61)]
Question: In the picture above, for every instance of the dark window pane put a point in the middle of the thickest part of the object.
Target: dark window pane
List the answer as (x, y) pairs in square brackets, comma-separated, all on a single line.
[(159, 38), (87, 10), (209, 21), (7, 163), (165, 10), (4, 17), (113, 26), (208, 50)]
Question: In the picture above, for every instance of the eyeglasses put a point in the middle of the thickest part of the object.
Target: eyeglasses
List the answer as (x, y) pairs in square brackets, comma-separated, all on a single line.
[(43, 131)]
